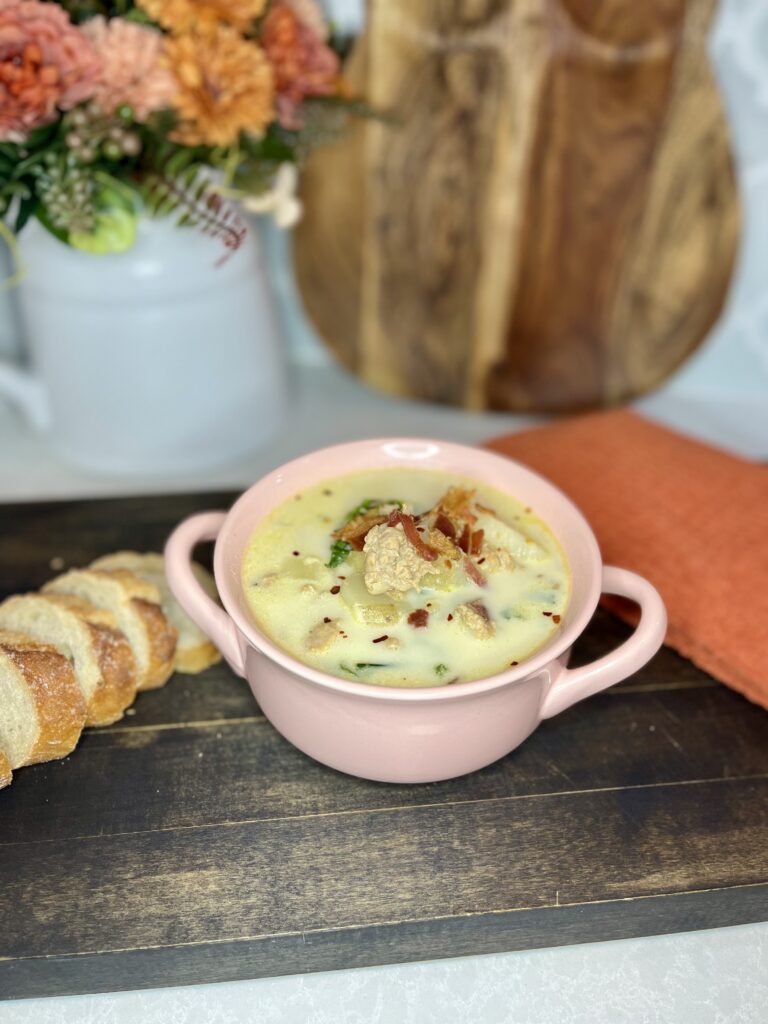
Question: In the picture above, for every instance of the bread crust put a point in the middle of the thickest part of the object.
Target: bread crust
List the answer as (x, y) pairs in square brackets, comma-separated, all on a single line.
[(162, 643), (136, 606), (77, 629), (194, 660), (6, 773), (55, 693), (119, 676), (150, 566)]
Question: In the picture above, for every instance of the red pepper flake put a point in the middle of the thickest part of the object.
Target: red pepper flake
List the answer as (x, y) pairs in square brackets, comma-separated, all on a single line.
[(463, 540), (555, 618), (326, 619), (546, 613), (480, 561), (296, 554), (449, 563), (527, 509), (336, 589), (444, 525), (450, 618), (513, 663), (409, 529), (379, 639), (418, 619), (341, 577)]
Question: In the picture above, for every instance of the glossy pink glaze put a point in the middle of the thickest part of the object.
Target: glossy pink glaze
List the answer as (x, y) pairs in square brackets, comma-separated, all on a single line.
[(419, 735)]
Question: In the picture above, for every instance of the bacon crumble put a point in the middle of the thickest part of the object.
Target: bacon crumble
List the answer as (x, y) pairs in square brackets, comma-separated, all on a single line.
[(409, 529), (418, 619)]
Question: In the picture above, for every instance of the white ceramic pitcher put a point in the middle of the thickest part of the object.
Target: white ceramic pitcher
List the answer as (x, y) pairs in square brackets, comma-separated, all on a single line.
[(159, 359)]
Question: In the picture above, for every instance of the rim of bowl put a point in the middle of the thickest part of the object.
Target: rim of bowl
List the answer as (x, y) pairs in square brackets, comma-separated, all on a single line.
[(264, 645)]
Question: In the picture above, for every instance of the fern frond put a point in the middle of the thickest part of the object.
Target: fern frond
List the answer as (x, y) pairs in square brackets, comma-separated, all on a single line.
[(180, 185)]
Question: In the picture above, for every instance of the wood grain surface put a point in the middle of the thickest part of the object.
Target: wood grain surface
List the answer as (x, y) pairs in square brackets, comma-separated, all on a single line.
[(549, 218), (190, 843)]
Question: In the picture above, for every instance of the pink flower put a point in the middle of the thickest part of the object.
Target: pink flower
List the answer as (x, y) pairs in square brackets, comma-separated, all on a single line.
[(45, 63), (132, 71)]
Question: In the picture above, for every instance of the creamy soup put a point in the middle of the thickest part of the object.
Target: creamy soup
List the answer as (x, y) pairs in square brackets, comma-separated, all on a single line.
[(406, 578)]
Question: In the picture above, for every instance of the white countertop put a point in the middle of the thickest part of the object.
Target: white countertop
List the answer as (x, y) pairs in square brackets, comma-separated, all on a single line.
[(328, 406)]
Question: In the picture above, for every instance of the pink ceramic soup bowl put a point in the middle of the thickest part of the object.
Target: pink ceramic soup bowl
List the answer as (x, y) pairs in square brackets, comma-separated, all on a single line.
[(418, 735)]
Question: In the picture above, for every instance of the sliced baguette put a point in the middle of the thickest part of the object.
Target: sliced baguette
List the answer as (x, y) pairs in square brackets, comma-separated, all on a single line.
[(43, 711), (100, 654), (6, 772), (135, 605), (194, 651)]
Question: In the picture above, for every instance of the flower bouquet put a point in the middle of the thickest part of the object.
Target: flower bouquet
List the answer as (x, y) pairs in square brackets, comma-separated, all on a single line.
[(165, 107)]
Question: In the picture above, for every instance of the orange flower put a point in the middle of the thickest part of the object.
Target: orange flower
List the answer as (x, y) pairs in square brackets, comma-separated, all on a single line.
[(303, 64), (225, 87), (202, 15)]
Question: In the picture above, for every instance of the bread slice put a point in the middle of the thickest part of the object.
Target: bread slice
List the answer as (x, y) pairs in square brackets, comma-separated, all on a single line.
[(194, 651), (136, 608), (6, 772), (100, 654), (43, 711)]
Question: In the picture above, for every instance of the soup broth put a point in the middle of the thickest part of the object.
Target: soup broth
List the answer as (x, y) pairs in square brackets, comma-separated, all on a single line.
[(406, 578)]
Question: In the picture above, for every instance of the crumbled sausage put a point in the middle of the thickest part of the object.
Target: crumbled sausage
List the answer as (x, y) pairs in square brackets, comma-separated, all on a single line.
[(499, 559), (322, 635), (474, 616), (391, 561)]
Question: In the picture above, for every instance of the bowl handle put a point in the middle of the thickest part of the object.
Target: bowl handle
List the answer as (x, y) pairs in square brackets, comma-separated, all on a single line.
[(572, 685), (203, 611)]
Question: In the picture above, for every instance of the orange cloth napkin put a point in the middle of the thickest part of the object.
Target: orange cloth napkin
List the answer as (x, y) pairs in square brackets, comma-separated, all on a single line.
[(691, 519)]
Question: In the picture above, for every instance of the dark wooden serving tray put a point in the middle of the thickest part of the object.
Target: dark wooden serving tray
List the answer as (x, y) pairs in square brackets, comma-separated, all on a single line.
[(191, 843)]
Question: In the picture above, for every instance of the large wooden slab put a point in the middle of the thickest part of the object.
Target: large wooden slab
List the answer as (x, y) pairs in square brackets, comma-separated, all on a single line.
[(191, 843), (547, 219)]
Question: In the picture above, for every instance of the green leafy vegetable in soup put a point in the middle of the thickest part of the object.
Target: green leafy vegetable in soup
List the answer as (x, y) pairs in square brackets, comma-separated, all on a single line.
[(450, 581)]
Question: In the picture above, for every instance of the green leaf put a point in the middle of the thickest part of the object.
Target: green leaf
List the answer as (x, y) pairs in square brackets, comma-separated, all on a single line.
[(26, 209), (40, 137), (368, 505), (115, 231), (42, 215), (339, 551), (440, 670)]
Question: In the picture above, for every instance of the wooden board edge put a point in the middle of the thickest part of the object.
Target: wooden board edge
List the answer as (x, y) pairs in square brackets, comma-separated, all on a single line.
[(342, 949)]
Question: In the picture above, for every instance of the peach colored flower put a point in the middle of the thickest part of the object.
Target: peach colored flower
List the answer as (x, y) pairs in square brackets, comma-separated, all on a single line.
[(132, 71), (225, 87), (303, 64), (45, 63), (203, 15)]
